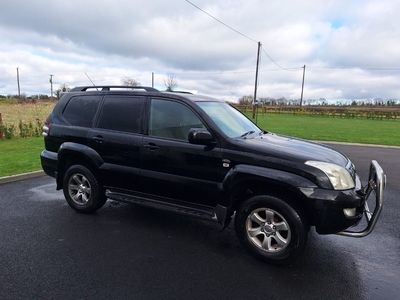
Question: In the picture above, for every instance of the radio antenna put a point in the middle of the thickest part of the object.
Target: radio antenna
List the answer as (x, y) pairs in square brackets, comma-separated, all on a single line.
[(91, 81)]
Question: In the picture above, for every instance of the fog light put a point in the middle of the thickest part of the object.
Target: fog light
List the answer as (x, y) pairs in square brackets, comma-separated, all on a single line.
[(349, 212)]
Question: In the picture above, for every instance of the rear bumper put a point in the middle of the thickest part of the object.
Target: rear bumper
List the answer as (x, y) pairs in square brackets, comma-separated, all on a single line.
[(49, 163)]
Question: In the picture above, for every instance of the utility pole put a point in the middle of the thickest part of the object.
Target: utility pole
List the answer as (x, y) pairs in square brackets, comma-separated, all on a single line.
[(302, 86), (152, 79), (19, 89), (256, 81), (51, 86)]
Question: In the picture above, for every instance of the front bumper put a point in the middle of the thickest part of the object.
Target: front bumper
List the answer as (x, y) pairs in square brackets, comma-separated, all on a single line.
[(331, 208), (376, 184)]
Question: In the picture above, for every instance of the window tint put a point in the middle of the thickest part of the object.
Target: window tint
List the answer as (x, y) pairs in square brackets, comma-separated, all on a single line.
[(122, 113), (80, 110), (171, 119)]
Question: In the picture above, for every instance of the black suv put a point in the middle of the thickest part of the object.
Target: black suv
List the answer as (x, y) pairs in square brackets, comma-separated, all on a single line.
[(201, 157)]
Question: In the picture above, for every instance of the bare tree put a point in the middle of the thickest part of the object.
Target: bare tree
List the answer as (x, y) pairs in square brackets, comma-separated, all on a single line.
[(63, 88), (128, 81), (246, 100), (170, 82)]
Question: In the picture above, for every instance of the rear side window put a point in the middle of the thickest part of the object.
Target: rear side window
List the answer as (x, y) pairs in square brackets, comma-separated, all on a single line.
[(121, 113), (80, 110)]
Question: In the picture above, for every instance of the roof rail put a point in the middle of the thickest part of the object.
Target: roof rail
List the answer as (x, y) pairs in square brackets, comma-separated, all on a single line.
[(112, 87), (181, 92)]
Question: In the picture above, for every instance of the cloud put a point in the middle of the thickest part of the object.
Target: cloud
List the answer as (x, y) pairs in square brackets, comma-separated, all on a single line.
[(350, 48)]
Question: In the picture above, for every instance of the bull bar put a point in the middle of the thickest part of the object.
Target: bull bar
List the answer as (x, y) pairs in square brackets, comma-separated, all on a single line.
[(376, 184)]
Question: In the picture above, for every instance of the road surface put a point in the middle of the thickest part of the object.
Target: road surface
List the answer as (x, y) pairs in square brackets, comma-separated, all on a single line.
[(48, 251)]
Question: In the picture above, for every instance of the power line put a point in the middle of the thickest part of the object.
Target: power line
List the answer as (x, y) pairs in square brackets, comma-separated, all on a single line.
[(286, 69), (283, 68), (231, 28)]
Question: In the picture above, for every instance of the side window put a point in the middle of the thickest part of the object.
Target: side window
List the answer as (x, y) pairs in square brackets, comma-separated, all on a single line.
[(80, 110), (171, 119), (122, 113)]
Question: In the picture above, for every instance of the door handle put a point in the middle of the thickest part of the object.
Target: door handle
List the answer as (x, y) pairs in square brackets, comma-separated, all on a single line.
[(99, 139), (151, 147)]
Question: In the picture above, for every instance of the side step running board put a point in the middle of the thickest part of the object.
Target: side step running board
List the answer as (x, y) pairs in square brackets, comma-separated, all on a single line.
[(181, 208)]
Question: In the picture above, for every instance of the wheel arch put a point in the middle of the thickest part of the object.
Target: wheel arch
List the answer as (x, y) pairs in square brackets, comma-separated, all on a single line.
[(72, 154), (245, 182)]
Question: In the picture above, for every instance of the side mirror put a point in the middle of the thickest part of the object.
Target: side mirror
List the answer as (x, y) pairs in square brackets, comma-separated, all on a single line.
[(200, 136)]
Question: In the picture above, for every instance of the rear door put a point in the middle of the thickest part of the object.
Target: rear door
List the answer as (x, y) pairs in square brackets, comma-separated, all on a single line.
[(117, 137), (172, 167)]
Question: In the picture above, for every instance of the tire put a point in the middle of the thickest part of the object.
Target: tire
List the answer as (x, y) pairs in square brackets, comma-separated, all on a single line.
[(82, 190), (271, 229)]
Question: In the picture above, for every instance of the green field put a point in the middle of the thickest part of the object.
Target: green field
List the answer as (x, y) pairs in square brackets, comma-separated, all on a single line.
[(23, 155), (365, 131)]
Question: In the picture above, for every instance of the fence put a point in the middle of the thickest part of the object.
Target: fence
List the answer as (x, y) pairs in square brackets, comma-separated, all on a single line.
[(359, 112)]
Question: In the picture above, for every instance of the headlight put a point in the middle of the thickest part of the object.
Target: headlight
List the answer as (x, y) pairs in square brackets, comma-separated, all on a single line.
[(339, 177)]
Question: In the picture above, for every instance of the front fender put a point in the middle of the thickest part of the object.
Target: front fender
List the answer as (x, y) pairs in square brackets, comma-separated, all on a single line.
[(247, 173), (241, 173)]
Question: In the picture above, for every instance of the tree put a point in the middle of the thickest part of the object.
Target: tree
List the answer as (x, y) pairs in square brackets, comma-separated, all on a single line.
[(63, 88), (246, 100), (128, 81), (378, 101), (170, 82), (282, 101), (22, 98)]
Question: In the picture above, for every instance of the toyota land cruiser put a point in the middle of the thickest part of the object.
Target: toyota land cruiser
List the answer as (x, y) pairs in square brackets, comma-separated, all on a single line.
[(201, 157)]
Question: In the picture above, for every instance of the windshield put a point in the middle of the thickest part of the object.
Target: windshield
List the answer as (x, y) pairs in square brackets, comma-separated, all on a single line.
[(228, 119)]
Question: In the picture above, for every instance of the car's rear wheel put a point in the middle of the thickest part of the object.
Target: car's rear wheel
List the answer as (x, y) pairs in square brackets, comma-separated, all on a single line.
[(271, 229), (82, 190)]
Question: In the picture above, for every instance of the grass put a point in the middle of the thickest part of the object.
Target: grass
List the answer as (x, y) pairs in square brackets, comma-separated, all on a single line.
[(23, 155), (364, 131), (12, 112), (19, 156)]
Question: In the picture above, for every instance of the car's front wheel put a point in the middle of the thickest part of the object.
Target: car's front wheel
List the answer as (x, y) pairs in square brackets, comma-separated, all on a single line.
[(82, 190), (271, 229)]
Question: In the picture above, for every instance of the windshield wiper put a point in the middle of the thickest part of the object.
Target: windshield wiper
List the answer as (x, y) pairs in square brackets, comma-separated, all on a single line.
[(247, 133)]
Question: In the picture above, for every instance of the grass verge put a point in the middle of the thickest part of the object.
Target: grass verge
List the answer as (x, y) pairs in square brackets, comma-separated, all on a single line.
[(19, 156)]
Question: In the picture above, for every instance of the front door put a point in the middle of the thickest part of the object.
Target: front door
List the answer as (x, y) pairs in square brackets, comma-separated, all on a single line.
[(173, 167)]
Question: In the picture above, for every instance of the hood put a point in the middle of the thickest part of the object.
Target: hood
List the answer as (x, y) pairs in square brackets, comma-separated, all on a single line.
[(293, 149)]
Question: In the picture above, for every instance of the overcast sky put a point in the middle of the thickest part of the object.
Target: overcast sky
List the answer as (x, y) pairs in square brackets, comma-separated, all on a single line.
[(351, 48)]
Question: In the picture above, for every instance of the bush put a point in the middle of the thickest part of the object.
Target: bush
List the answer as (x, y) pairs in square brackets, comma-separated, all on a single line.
[(8, 131), (25, 130)]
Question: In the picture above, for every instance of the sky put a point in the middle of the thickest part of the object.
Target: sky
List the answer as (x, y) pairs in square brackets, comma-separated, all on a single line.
[(350, 48)]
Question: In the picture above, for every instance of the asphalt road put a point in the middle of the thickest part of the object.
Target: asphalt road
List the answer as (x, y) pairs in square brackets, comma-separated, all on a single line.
[(48, 251)]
